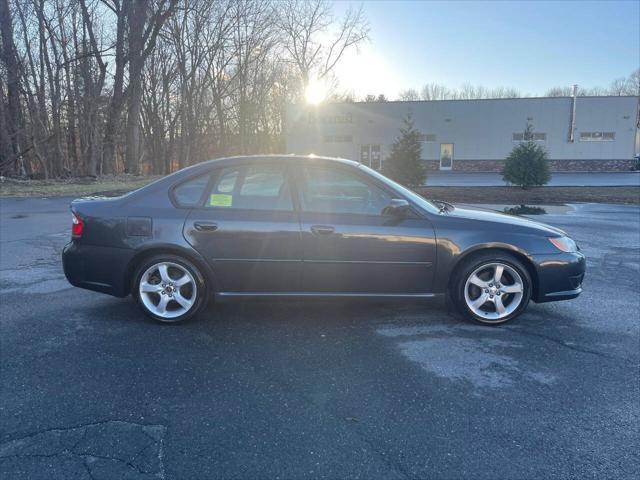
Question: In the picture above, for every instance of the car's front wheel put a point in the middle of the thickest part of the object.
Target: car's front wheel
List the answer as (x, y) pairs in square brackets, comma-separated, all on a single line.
[(169, 288), (492, 288)]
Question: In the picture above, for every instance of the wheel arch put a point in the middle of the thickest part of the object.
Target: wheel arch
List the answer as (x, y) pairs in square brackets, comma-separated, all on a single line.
[(517, 253), (153, 250)]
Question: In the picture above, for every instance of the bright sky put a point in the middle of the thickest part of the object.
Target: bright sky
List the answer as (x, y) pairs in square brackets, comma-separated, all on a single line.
[(528, 45)]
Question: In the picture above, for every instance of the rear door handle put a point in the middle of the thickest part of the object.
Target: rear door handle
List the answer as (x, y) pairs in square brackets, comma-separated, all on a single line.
[(205, 226), (323, 229)]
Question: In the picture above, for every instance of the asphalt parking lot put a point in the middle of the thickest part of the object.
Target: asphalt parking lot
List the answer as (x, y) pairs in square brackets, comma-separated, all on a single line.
[(93, 390)]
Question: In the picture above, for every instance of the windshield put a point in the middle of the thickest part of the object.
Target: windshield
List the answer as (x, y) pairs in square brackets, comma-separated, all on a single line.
[(413, 196)]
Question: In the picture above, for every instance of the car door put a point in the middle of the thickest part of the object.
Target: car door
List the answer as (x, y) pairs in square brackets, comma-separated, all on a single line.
[(350, 246), (247, 229)]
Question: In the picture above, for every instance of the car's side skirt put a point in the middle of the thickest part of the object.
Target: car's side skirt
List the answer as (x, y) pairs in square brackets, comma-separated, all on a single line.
[(230, 296)]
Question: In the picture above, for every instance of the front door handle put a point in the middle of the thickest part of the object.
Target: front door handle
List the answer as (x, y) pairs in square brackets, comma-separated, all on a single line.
[(322, 229), (205, 226)]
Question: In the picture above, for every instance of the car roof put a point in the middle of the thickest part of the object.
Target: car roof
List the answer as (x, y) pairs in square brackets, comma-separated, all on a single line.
[(281, 157)]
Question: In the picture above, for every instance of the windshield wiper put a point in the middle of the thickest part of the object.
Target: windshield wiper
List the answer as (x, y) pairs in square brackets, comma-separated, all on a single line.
[(443, 206)]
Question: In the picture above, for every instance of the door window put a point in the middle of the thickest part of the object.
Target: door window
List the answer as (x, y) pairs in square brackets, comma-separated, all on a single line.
[(254, 187), (325, 190)]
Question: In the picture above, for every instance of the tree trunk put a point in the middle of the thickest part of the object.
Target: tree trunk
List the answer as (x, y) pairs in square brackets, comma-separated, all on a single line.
[(137, 20), (15, 120), (117, 99)]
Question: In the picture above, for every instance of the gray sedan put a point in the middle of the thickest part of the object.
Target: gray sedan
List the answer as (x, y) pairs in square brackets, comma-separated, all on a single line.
[(283, 226)]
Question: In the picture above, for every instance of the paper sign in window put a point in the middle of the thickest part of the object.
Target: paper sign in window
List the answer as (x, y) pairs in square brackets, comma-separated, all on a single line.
[(220, 200)]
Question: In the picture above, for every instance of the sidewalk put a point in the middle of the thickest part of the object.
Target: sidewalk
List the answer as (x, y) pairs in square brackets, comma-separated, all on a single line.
[(577, 179)]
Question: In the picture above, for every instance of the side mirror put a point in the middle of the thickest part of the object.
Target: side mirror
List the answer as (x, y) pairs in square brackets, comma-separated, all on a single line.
[(397, 208)]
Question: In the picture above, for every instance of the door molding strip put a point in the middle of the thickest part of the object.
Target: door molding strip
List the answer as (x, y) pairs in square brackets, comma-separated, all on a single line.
[(371, 262)]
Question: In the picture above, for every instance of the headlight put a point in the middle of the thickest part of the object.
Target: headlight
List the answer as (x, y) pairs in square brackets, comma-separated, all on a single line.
[(564, 244)]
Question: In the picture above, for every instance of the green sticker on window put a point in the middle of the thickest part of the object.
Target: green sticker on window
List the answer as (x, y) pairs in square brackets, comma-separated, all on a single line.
[(220, 200)]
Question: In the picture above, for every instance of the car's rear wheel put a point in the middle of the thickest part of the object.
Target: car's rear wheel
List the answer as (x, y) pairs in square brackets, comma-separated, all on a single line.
[(492, 288), (169, 288)]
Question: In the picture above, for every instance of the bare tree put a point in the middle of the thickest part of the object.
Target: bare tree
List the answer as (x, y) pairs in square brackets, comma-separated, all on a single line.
[(503, 92), (117, 101), (559, 92), (409, 95), (633, 83), (13, 126), (626, 86), (145, 21), (375, 98), (618, 87), (313, 40), (434, 91)]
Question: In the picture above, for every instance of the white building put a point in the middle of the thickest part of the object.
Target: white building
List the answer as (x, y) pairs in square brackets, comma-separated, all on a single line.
[(581, 134)]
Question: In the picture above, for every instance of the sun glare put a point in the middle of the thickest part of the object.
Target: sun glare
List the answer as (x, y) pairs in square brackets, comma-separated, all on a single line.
[(315, 92)]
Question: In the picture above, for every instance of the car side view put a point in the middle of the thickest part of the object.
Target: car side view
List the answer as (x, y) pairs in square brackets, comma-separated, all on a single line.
[(278, 226)]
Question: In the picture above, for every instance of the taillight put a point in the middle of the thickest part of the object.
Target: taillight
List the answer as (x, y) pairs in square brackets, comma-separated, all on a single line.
[(77, 225)]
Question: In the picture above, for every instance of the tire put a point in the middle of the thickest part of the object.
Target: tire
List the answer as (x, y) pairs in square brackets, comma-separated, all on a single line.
[(172, 282), (504, 300)]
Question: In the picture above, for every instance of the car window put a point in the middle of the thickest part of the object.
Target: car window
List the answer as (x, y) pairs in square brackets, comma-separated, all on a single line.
[(227, 182), (262, 183), (326, 190), (255, 187), (189, 193)]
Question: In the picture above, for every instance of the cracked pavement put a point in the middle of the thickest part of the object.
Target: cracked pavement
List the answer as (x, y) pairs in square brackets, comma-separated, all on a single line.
[(110, 449), (93, 390)]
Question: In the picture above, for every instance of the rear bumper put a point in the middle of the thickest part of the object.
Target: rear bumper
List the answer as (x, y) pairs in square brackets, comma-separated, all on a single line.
[(560, 276), (100, 269)]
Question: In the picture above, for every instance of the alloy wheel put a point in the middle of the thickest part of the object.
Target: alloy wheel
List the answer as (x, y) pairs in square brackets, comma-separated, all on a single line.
[(167, 290), (494, 291)]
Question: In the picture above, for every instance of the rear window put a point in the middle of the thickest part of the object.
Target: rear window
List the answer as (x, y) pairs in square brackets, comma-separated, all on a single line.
[(189, 193)]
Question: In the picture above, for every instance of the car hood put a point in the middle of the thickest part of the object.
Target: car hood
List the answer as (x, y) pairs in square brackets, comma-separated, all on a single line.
[(483, 215)]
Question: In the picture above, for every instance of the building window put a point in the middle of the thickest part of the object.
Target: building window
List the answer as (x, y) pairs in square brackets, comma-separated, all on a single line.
[(312, 118), (536, 137), (338, 138), (427, 137), (597, 136)]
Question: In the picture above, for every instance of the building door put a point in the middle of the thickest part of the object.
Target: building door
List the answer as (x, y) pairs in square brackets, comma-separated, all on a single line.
[(371, 156), (446, 156), (365, 156), (376, 157)]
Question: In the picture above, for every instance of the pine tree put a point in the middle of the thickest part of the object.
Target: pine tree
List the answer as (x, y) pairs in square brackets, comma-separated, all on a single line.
[(405, 164), (527, 165)]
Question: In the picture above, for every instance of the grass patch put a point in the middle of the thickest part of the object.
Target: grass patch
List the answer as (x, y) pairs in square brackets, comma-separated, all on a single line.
[(525, 210), (108, 184)]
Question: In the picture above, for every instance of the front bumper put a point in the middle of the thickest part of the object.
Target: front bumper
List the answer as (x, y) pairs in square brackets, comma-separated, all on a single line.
[(101, 269), (560, 276)]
